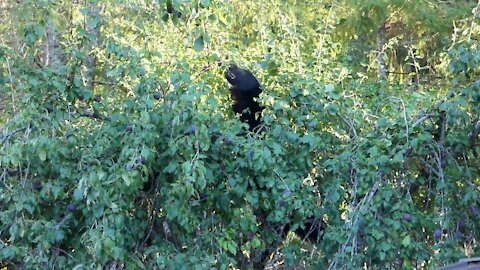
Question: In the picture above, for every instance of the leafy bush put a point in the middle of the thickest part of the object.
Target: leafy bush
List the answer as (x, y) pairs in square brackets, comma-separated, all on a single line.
[(141, 164)]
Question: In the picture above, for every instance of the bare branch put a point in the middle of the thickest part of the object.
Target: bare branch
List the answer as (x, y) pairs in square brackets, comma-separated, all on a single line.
[(8, 136)]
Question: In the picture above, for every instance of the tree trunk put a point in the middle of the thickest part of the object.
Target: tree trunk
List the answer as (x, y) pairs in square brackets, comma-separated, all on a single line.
[(50, 55), (91, 61), (381, 52)]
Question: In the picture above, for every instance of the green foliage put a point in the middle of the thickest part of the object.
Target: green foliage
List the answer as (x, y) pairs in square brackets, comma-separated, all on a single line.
[(124, 153)]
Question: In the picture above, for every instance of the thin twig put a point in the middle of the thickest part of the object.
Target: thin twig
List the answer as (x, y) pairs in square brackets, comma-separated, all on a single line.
[(149, 231), (422, 119), (281, 179), (11, 134), (205, 69), (356, 212), (63, 251)]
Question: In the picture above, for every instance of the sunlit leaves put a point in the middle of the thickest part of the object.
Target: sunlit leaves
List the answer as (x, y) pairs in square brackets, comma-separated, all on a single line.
[(162, 174)]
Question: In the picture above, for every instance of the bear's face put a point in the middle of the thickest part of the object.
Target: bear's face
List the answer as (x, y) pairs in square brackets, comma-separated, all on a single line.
[(243, 82)]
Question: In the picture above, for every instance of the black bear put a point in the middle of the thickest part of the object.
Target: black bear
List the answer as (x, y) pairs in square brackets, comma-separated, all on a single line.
[(245, 87)]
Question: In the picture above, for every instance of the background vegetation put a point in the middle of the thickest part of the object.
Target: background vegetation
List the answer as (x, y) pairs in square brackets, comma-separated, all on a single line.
[(119, 150)]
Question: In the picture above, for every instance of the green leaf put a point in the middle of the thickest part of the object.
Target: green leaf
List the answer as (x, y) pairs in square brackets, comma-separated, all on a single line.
[(8, 252), (201, 182), (406, 241), (59, 235), (377, 234), (332, 108), (98, 212), (212, 17), (171, 167), (232, 247), (398, 157), (204, 3), (42, 154), (126, 178), (39, 30), (256, 243), (77, 195), (332, 92), (145, 117), (199, 44), (56, 191)]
